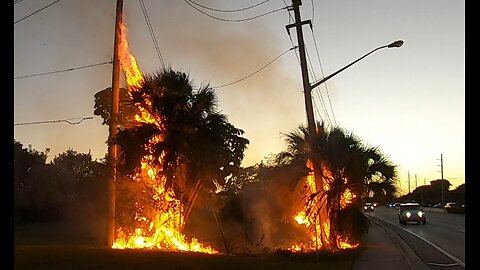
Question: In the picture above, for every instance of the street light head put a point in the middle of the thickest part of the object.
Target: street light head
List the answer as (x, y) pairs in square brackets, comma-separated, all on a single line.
[(395, 44)]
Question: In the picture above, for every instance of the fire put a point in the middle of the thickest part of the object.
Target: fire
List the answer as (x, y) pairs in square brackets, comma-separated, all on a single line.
[(163, 228), (319, 234)]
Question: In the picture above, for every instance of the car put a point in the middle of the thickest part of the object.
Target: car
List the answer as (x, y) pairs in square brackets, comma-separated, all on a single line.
[(438, 205), (453, 207), (368, 207), (411, 212)]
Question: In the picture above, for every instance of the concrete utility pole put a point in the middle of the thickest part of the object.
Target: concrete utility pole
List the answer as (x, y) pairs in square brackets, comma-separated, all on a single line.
[(416, 186), (113, 129)]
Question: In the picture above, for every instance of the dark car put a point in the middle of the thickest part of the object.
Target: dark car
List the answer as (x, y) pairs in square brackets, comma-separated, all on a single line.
[(411, 212), (368, 207), (453, 207)]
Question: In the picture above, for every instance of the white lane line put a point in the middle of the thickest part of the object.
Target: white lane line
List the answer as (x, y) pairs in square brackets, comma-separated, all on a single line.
[(460, 262)]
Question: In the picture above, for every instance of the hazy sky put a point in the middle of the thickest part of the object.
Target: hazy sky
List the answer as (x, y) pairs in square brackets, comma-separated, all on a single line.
[(408, 101)]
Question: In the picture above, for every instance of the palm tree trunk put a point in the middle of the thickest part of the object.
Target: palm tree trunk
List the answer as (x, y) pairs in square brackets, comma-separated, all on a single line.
[(191, 198)]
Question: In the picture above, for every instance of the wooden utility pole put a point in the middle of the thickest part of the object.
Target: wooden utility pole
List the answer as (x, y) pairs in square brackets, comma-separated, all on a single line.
[(307, 88), (112, 146), (416, 185), (441, 171), (409, 182)]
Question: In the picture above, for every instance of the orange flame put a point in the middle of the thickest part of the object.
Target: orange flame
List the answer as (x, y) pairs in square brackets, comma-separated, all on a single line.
[(322, 228), (165, 226)]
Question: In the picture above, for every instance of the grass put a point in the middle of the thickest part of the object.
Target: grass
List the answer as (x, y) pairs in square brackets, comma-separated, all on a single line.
[(35, 248)]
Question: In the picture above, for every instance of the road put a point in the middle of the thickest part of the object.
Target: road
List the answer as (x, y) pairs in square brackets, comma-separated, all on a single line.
[(440, 243)]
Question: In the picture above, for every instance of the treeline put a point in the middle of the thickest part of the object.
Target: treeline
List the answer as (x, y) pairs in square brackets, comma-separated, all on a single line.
[(430, 195), (71, 187)]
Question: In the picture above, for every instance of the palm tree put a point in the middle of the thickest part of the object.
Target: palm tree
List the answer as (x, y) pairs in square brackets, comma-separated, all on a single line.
[(347, 166), (198, 146)]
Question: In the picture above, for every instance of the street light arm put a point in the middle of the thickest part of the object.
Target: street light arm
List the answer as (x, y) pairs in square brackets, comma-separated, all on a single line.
[(397, 43)]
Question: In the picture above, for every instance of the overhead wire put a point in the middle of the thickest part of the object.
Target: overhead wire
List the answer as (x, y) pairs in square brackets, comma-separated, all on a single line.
[(323, 76), (321, 68), (231, 20), (35, 12), (320, 63), (55, 121), (255, 72), (63, 70), (152, 33), (229, 10), (17, 1)]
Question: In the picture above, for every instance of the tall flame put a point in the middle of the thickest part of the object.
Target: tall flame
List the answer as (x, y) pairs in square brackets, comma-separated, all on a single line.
[(165, 226)]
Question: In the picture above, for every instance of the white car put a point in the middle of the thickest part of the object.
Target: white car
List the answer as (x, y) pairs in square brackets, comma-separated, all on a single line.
[(411, 212)]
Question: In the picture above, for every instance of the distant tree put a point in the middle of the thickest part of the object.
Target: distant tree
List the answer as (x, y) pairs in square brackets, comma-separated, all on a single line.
[(35, 194), (81, 181)]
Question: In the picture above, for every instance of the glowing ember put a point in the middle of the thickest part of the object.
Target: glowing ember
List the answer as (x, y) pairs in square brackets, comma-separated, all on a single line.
[(163, 228)]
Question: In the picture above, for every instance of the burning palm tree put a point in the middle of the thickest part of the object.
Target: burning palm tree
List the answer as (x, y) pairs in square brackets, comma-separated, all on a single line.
[(331, 208), (173, 142)]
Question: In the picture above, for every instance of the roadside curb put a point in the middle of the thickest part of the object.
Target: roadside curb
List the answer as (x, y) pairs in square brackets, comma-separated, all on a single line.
[(411, 258)]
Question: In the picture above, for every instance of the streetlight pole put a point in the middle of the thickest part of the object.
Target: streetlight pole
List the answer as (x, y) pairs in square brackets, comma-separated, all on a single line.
[(307, 86), (395, 44)]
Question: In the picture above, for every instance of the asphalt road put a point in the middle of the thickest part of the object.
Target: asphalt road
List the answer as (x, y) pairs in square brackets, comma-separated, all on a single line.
[(440, 243)]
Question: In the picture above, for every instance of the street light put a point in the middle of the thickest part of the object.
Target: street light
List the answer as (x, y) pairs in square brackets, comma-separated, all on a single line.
[(395, 44)]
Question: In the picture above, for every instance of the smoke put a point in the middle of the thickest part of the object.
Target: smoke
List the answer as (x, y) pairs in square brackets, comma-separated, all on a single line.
[(258, 219)]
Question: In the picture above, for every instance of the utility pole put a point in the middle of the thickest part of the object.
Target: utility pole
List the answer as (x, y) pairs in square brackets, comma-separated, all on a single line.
[(113, 129), (408, 182), (307, 89), (441, 171), (416, 186)]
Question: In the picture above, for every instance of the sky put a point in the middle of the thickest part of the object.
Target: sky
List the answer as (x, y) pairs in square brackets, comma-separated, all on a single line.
[(409, 101)]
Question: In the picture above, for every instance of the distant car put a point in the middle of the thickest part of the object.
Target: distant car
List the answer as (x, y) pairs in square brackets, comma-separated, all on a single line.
[(368, 207), (453, 207), (438, 205), (411, 212)]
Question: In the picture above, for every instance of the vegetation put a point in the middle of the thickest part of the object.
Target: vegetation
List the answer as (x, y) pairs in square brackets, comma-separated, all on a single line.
[(60, 257), (344, 163), (197, 150), (430, 195)]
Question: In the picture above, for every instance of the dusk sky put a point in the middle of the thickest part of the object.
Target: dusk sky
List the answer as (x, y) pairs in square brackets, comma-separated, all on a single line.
[(408, 101)]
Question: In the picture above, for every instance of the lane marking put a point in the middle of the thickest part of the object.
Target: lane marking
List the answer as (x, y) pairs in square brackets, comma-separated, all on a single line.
[(460, 262)]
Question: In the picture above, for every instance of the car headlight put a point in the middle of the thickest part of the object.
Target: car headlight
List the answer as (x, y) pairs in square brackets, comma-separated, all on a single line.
[(408, 214), (365, 207), (420, 214)]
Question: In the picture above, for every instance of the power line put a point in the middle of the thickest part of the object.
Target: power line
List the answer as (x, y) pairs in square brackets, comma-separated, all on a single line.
[(55, 121), (223, 10), (31, 14), (230, 20), (17, 1), (152, 33), (258, 70), (63, 70), (323, 74)]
